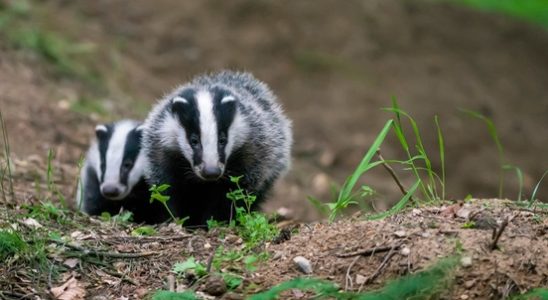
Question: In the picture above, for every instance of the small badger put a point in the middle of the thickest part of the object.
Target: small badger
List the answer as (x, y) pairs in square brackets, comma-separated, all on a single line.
[(219, 125), (112, 176)]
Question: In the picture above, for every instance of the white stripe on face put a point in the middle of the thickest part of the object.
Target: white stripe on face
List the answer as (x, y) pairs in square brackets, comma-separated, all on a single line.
[(208, 129), (115, 152)]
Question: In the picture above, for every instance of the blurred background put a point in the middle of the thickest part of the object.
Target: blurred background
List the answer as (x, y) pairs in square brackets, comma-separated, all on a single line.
[(68, 65)]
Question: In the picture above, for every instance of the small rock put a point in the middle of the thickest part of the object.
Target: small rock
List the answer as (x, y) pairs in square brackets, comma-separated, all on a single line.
[(464, 297), (277, 255), (31, 223), (283, 212), (303, 264), (464, 212), (215, 286), (320, 183), (405, 251), (425, 234), (400, 233), (416, 212), (360, 279), (207, 245), (470, 283), (466, 261), (327, 158)]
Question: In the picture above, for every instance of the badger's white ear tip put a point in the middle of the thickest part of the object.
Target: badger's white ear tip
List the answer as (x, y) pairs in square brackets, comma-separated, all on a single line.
[(179, 99), (140, 127), (101, 128), (227, 99)]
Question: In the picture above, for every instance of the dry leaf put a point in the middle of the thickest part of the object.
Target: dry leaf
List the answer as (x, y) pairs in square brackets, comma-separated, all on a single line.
[(70, 290), (71, 262)]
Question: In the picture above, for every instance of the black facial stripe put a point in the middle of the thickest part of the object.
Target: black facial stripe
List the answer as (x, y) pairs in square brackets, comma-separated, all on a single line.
[(103, 141), (189, 118), (224, 114), (131, 152)]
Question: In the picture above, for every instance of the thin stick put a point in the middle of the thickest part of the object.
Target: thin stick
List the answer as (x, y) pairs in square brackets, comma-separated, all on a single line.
[(393, 174), (348, 278), (368, 252), (171, 282), (387, 258), (499, 233), (103, 253)]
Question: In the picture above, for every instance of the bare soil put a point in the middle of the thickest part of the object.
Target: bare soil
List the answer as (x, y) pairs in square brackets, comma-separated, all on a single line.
[(333, 72)]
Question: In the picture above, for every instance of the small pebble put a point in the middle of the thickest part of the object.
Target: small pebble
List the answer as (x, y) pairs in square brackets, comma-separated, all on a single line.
[(400, 233), (416, 212), (464, 297), (466, 261), (303, 264), (360, 279), (470, 283), (405, 251)]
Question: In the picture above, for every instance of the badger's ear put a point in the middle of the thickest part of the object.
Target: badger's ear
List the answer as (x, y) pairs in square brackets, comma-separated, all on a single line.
[(228, 99), (178, 103), (101, 131), (140, 128)]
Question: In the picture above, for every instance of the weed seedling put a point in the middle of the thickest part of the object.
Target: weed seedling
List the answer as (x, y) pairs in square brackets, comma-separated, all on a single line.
[(156, 194)]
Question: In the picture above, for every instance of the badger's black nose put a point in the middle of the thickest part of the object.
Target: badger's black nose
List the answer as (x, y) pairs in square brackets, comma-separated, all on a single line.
[(110, 191), (211, 173)]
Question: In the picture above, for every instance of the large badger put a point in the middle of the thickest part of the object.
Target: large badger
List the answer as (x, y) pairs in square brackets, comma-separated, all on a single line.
[(112, 176), (219, 125)]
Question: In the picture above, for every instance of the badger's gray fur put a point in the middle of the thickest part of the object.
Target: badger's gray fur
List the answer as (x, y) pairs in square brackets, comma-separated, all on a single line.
[(112, 176), (219, 125)]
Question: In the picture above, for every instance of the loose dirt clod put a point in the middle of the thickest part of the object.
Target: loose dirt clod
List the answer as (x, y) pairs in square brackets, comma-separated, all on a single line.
[(215, 285)]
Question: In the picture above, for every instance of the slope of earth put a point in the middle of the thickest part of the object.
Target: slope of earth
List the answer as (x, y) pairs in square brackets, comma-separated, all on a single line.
[(106, 261)]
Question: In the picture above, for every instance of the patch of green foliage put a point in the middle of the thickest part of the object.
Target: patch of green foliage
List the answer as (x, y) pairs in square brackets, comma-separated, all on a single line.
[(143, 230), (422, 285), (157, 194), (11, 244), (253, 227), (536, 294), (190, 264), (167, 295), (535, 11)]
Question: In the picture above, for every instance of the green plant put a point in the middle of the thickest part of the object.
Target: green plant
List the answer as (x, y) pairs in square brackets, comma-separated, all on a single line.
[(253, 227), (50, 181), (535, 190), (421, 285), (429, 188), (190, 264), (143, 230), (492, 130), (7, 156), (469, 225), (519, 175), (156, 194), (11, 244), (167, 295), (535, 11)]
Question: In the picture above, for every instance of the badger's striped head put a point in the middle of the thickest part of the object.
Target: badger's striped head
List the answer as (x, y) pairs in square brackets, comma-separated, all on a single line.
[(120, 165), (209, 127)]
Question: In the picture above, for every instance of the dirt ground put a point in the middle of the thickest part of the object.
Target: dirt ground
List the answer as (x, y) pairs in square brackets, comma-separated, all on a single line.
[(332, 72)]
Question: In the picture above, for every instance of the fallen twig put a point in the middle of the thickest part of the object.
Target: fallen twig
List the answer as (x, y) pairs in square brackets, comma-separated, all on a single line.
[(387, 258), (393, 174), (348, 278), (146, 239), (367, 252), (498, 234), (103, 253)]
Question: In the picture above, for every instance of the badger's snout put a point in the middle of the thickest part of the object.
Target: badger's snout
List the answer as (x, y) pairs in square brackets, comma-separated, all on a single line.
[(209, 172), (113, 191)]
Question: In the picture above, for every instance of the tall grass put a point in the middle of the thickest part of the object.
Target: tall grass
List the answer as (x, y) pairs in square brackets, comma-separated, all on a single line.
[(7, 154), (492, 130)]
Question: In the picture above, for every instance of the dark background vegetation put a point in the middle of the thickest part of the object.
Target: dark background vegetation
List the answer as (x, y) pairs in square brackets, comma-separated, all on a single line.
[(66, 65)]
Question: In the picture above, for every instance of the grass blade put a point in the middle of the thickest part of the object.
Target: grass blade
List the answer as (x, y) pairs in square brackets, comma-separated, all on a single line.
[(519, 174), (399, 206), (535, 190), (441, 145), (345, 194), (492, 130), (7, 153)]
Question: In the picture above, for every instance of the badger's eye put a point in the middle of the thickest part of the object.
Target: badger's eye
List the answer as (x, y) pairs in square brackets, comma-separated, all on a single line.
[(194, 140), (222, 141), (127, 164)]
